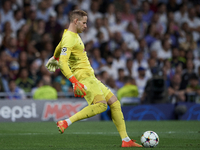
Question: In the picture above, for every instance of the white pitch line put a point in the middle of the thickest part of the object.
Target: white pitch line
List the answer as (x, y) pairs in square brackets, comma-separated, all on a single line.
[(96, 133)]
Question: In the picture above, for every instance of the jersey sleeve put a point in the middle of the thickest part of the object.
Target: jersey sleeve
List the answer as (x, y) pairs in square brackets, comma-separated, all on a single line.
[(66, 49), (57, 51), (63, 62)]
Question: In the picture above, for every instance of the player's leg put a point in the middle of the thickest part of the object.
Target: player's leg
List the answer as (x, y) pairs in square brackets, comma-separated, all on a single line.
[(118, 120), (117, 116), (96, 101), (87, 112)]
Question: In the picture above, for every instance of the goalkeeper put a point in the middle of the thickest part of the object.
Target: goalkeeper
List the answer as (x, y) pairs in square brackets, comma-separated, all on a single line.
[(71, 58)]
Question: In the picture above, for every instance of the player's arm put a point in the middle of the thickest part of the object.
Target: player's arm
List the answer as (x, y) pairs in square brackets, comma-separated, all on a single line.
[(52, 63), (79, 88), (57, 51)]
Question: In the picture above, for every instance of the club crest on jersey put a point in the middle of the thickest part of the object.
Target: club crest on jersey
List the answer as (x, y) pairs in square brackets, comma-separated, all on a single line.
[(64, 49)]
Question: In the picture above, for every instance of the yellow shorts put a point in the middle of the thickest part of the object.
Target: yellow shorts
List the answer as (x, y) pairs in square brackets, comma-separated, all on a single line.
[(96, 91)]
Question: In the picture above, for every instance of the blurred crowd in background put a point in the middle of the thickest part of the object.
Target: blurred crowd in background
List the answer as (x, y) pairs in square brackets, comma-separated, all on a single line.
[(148, 50)]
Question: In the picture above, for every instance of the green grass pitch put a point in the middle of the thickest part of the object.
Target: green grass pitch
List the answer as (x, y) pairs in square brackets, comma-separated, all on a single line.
[(83, 135)]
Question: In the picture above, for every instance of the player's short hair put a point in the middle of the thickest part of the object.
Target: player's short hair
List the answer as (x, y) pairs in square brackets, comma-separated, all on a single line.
[(77, 14)]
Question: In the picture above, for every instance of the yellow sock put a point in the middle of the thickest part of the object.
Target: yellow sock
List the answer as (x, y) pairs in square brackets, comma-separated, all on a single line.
[(118, 119), (89, 111)]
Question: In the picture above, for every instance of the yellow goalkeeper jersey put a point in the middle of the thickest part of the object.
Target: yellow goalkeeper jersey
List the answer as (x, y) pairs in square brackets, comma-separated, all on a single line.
[(73, 57)]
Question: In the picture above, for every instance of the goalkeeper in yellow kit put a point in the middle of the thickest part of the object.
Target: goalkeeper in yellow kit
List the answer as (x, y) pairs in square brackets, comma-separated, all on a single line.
[(71, 58)]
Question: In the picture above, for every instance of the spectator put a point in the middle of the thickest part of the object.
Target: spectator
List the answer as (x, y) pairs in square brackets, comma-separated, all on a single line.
[(67, 6), (168, 71), (140, 62), (189, 43), (98, 27), (97, 61), (17, 21), (129, 67), (23, 59), (143, 48), (111, 84), (120, 81), (118, 61), (6, 11), (175, 91), (83, 5), (37, 85), (130, 38), (15, 93), (181, 14), (116, 41), (14, 70), (141, 80), (163, 13), (43, 12), (128, 90), (193, 89), (154, 6), (42, 60), (119, 25), (109, 68), (173, 31), (160, 27), (62, 18), (45, 92), (135, 5), (11, 50), (187, 73), (172, 6), (38, 30), (53, 27), (104, 76), (165, 52), (23, 81), (151, 33), (110, 14), (193, 22), (153, 66), (65, 84), (139, 24), (21, 41), (5, 78), (147, 13), (94, 13), (175, 59), (127, 15), (33, 72), (32, 21)]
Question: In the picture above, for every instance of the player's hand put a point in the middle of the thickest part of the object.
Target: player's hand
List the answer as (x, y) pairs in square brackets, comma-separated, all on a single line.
[(52, 64), (79, 88)]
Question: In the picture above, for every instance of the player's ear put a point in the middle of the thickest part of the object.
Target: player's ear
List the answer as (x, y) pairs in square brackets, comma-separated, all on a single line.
[(75, 21)]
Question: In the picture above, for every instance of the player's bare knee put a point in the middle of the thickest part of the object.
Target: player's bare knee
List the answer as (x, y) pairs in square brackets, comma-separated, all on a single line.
[(112, 100)]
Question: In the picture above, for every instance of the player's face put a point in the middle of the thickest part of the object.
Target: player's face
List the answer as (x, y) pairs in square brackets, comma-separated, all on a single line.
[(82, 24)]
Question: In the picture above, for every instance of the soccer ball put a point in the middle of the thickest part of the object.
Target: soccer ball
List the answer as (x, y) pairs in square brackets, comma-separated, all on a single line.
[(149, 139)]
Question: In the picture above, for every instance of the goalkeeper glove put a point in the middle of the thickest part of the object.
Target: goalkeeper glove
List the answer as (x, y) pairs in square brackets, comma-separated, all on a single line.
[(79, 88), (52, 64)]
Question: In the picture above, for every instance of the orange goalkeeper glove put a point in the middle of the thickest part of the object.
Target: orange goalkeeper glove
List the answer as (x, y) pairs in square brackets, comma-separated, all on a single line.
[(79, 88)]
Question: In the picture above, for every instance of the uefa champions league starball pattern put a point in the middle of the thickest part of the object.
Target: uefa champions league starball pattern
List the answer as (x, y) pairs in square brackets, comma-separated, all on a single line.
[(149, 139)]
